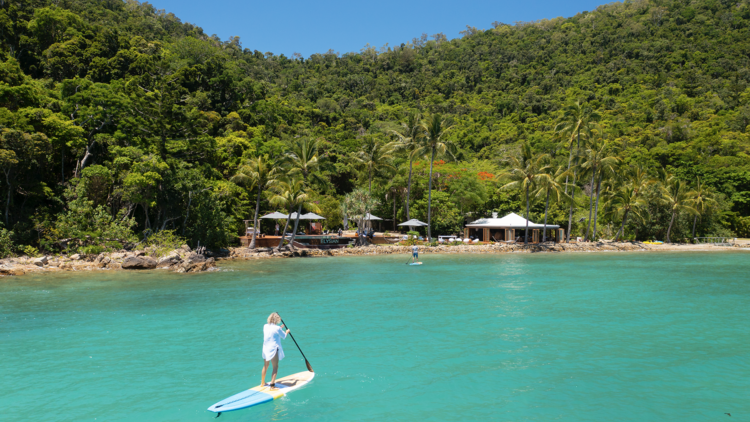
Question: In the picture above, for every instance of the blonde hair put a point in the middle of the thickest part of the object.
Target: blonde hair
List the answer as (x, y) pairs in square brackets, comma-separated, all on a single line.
[(274, 318)]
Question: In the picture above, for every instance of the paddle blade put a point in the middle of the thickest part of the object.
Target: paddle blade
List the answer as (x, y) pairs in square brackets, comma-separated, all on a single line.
[(309, 367)]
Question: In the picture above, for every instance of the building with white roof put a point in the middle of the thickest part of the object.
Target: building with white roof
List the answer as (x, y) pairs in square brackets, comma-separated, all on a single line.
[(510, 228)]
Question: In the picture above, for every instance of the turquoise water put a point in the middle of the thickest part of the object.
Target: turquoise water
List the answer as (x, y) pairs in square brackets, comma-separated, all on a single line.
[(542, 337)]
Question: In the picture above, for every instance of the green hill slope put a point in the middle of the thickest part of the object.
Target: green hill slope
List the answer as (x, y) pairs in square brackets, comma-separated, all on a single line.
[(117, 118)]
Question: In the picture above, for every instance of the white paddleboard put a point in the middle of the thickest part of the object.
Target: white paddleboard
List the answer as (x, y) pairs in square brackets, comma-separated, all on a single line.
[(263, 393), (416, 263)]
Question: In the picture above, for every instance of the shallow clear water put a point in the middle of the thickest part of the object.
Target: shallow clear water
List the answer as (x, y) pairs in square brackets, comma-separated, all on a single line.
[(571, 337)]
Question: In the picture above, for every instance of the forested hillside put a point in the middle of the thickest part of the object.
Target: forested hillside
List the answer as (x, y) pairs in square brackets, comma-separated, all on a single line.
[(119, 121)]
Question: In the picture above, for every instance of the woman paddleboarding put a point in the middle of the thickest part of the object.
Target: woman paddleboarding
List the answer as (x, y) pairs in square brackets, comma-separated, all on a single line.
[(272, 350)]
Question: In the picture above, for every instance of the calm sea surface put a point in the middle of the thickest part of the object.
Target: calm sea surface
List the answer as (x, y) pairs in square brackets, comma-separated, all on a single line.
[(543, 337)]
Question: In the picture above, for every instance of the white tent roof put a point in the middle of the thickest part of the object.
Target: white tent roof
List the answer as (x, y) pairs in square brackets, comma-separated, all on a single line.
[(369, 216), (275, 216), (311, 216), (512, 220), (413, 222)]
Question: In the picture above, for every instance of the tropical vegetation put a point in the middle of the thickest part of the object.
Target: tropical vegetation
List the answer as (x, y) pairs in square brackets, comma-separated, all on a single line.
[(119, 121)]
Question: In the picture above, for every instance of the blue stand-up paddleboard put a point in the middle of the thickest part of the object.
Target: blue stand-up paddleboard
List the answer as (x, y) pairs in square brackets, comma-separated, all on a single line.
[(262, 393)]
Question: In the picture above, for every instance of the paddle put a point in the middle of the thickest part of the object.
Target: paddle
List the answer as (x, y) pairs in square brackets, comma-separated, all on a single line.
[(309, 367)]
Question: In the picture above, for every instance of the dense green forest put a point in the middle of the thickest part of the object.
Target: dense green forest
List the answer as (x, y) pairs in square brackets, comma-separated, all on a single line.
[(119, 122)]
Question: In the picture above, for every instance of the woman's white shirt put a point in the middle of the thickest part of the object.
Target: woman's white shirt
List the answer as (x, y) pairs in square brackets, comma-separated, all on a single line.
[(272, 336)]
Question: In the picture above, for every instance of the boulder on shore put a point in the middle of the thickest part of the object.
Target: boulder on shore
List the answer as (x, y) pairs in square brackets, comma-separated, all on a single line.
[(103, 262), (169, 260), (11, 271), (40, 262), (195, 258), (138, 263)]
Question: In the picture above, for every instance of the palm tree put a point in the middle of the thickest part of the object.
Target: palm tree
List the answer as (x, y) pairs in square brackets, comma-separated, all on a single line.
[(677, 197), (524, 173), (375, 157), (302, 160), (358, 204), (703, 198), (393, 192), (289, 193), (551, 185), (435, 129), (625, 201), (598, 163), (410, 138), (629, 197), (258, 172), (576, 118)]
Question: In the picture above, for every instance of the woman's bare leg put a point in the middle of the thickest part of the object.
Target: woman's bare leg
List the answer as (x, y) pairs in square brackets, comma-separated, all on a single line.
[(263, 376), (275, 362)]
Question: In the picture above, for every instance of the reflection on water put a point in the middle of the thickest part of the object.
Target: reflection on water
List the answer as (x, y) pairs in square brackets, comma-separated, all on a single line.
[(547, 337)]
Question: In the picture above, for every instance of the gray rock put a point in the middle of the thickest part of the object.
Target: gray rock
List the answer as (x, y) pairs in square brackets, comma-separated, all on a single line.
[(195, 258), (40, 262), (75, 257), (104, 262), (185, 248), (138, 263), (168, 261)]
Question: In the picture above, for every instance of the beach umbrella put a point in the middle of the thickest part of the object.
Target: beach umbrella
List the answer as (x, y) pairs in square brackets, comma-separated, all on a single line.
[(414, 223), (371, 217), (311, 216), (275, 216)]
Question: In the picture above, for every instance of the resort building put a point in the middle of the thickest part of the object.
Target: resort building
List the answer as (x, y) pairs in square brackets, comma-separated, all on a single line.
[(510, 228)]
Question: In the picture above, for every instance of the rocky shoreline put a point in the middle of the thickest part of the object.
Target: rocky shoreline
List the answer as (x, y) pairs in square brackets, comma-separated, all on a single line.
[(184, 260)]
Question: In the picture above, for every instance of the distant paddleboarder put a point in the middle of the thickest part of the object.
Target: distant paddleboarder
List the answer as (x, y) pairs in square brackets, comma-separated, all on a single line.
[(414, 253), (272, 350)]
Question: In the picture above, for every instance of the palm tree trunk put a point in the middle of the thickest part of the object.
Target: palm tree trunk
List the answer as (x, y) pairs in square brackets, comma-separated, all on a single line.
[(546, 207), (669, 230), (145, 211), (570, 214), (429, 200), (570, 159), (255, 219), (370, 181), (591, 205), (695, 220), (622, 227), (573, 193), (281, 242), (296, 224), (596, 208), (408, 190), (7, 201), (526, 234), (394, 212)]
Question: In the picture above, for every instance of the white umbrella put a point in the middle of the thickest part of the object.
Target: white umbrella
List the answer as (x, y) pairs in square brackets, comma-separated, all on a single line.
[(414, 223), (275, 216), (371, 217), (311, 216)]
